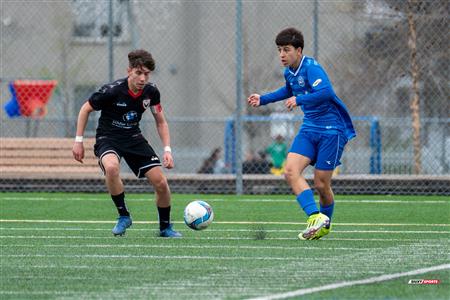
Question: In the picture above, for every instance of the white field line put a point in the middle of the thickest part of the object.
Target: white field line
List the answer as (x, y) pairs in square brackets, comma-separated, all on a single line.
[(338, 285), (145, 268), (188, 247), (356, 201), (219, 222), (129, 256), (82, 237), (232, 230)]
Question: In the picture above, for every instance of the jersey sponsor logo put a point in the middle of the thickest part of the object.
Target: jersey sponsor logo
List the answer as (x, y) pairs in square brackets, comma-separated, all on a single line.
[(122, 124), (146, 103), (301, 81), (316, 83), (121, 104), (130, 116), (156, 108)]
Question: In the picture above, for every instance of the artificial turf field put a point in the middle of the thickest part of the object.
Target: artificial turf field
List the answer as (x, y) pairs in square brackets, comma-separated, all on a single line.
[(60, 246)]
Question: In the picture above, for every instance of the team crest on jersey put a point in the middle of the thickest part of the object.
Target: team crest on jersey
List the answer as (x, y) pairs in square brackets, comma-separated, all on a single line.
[(130, 116), (301, 81), (146, 103)]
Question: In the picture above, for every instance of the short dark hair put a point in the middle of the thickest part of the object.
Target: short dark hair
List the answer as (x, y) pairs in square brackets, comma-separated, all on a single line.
[(290, 36), (141, 58)]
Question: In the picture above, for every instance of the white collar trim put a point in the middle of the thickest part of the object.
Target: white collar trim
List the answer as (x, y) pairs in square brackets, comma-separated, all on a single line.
[(299, 67)]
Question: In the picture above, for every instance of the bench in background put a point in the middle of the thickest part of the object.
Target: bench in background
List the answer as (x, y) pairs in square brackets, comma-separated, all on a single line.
[(45, 158)]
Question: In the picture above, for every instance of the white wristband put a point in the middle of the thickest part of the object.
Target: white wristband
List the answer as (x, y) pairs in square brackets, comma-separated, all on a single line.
[(167, 149), (79, 138)]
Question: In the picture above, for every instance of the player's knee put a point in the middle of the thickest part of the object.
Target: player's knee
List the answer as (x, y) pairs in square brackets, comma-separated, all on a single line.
[(161, 184), (290, 174), (321, 186), (112, 170)]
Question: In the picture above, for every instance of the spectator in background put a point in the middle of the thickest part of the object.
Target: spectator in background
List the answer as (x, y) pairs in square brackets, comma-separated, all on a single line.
[(256, 164), (213, 164), (278, 151), (264, 164)]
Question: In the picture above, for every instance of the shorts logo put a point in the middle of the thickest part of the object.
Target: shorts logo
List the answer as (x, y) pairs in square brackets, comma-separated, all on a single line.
[(146, 103), (154, 158), (301, 81), (130, 116), (316, 83)]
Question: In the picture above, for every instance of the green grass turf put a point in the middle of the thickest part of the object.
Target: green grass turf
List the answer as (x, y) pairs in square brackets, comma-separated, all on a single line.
[(60, 246)]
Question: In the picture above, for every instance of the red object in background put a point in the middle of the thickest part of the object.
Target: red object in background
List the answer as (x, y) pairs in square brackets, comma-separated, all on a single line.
[(33, 95)]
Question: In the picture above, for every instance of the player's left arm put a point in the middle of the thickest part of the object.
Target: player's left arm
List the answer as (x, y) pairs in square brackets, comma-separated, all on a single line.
[(321, 89), (163, 130)]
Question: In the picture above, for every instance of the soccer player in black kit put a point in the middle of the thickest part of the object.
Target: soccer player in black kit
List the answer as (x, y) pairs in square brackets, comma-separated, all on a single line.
[(118, 136)]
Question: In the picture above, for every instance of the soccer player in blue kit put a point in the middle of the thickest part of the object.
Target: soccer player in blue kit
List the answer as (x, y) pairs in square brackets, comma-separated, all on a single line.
[(118, 136), (326, 129)]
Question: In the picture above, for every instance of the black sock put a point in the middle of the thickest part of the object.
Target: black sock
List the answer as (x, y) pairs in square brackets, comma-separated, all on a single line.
[(164, 217), (119, 201)]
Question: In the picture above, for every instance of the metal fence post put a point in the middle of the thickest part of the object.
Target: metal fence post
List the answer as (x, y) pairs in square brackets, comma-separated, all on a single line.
[(238, 128), (111, 41)]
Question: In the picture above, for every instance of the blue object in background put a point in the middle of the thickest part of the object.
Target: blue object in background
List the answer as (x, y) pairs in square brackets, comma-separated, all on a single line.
[(375, 162), (12, 106)]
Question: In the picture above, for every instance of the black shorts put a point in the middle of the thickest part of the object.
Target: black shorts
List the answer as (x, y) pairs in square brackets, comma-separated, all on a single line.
[(138, 154)]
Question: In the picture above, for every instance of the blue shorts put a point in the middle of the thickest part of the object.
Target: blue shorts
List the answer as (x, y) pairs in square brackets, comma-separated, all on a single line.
[(324, 150)]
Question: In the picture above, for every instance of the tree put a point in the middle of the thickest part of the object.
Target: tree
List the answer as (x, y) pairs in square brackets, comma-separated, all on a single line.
[(401, 63)]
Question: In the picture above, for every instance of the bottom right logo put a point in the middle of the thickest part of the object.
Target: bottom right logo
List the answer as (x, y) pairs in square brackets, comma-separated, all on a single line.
[(424, 281)]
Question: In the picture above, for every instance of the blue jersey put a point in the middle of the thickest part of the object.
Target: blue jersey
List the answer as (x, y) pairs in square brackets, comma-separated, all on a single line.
[(323, 111)]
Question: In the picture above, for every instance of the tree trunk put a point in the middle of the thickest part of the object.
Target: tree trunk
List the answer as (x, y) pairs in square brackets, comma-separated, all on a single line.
[(415, 103)]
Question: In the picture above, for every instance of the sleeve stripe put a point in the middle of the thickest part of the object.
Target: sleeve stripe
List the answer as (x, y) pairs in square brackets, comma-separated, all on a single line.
[(156, 108)]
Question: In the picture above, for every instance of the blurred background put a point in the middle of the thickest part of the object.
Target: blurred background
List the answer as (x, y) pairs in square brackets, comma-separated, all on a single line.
[(387, 60)]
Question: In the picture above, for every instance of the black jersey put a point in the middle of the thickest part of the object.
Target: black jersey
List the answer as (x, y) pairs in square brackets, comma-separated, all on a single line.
[(121, 109)]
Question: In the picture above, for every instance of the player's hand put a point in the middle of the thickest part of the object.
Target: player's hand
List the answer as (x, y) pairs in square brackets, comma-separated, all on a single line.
[(168, 160), (78, 151), (291, 103), (254, 100)]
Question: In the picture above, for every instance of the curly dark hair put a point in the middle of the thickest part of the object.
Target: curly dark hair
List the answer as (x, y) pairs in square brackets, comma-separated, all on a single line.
[(141, 58), (290, 36)]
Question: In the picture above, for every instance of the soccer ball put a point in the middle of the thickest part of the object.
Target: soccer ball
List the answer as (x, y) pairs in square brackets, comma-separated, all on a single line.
[(198, 215)]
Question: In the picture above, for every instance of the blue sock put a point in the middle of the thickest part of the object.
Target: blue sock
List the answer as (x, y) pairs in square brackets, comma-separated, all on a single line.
[(327, 210), (306, 201)]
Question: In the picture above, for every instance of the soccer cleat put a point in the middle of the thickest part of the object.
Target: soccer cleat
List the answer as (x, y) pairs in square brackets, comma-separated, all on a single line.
[(315, 223), (322, 232), (123, 222), (169, 232)]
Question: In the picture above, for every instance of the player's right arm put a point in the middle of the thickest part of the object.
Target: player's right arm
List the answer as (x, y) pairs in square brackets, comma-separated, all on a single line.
[(253, 100), (275, 96), (78, 147), (282, 93)]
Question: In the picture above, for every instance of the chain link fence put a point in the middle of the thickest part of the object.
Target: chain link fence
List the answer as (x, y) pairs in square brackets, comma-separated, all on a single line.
[(388, 60)]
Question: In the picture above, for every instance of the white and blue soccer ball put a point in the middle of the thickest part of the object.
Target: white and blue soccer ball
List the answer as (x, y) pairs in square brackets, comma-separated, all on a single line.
[(198, 215)]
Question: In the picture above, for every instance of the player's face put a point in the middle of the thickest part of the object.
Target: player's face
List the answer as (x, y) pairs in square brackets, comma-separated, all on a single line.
[(137, 78), (290, 56)]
